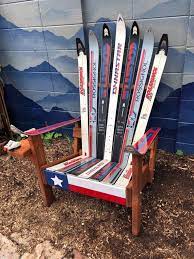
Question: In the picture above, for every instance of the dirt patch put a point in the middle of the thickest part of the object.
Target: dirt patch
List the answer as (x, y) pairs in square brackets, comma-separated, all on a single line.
[(96, 228)]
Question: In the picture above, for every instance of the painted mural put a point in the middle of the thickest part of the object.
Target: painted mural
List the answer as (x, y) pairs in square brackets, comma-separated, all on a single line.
[(39, 63)]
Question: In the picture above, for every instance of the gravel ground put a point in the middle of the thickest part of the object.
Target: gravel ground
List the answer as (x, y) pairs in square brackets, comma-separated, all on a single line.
[(95, 228)]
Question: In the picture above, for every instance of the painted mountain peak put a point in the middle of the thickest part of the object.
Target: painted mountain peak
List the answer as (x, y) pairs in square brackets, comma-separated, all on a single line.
[(35, 40), (28, 80)]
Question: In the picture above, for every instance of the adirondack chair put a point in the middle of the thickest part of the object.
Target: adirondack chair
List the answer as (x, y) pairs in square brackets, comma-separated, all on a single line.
[(55, 174)]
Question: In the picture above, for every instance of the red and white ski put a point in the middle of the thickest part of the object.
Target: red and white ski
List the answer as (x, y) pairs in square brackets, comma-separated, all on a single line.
[(83, 90)]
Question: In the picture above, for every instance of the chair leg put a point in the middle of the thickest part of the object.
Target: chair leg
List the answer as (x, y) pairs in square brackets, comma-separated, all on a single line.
[(39, 159), (136, 194), (152, 161), (76, 140)]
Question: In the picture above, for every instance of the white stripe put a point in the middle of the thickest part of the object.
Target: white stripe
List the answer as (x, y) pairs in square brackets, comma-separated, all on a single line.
[(97, 186), (115, 82), (94, 169)]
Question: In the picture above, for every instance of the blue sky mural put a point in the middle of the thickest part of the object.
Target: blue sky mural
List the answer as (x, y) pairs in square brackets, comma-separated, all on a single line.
[(38, 56)]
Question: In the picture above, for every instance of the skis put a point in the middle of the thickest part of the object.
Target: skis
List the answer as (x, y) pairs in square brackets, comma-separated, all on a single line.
[(93, 91), (115, 82), (103, 90), (153, 84), (154, 80), (144, 63), (83, 90), (116, 75), (126, 91)]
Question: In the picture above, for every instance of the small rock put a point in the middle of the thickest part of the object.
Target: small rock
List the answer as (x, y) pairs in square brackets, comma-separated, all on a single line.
[(8, 249)]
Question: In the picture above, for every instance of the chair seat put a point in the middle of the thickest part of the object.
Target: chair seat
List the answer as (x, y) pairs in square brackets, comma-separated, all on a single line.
[(61, 177)]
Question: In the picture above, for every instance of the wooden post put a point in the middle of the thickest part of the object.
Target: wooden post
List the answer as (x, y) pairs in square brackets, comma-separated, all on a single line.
[(76, 138), (152, 160), (137, 165), (39, 159)]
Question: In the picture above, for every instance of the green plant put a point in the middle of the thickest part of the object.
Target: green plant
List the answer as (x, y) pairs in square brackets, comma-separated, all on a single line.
[(179, 152), (58, 135), (47, 137)]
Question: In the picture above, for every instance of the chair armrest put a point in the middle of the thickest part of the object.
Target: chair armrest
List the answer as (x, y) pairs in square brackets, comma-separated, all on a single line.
[(142, 146), (51, 127)]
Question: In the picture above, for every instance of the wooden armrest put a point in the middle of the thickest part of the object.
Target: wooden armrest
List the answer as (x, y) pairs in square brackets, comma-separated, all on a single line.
[(51, 127), (23, 151), (143, 145)]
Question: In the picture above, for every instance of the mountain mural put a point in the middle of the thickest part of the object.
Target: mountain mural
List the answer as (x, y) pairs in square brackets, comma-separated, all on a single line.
[(35, 39), (185, 133), (187, 91), (64, 63), (161, 9), (31, 114), (38, 92), (28, 80)]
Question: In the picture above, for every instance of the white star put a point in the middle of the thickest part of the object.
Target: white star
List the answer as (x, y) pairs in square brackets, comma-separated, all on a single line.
[(57, 181)]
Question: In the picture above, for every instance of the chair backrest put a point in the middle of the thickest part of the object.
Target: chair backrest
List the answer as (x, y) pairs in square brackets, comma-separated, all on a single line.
[(114, 117)]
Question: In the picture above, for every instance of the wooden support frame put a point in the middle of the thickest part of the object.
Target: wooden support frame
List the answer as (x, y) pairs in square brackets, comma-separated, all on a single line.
[(142, 173)]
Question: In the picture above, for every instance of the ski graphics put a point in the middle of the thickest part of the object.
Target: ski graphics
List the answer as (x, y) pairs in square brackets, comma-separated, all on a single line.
[(93, 91), (73, 166), (144, 63), (126, 91), (83, 167), (66, 164), (83, 90), (115, 83), (153, 84), (103, 90), (101, 174), (154, 80), (116, 74)]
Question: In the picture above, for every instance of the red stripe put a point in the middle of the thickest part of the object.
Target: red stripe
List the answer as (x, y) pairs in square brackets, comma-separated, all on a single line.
[(96, 194), (132, 105), (51, 127), (107, 64), (111, 172), (145, 141), (95, 176), (73, 164)]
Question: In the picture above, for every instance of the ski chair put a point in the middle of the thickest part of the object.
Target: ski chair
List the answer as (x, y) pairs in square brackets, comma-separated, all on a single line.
[(85, 173)]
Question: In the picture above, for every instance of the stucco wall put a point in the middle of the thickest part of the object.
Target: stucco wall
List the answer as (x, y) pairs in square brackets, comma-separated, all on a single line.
[(37, 52)]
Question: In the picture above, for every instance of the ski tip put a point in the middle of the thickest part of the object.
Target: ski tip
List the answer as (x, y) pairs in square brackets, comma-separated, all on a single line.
[(106, 31), (150, 31), (135, 29), (163, 44), (92, 37), (80, 46), (92, 34), (149, 35), (120, 18)]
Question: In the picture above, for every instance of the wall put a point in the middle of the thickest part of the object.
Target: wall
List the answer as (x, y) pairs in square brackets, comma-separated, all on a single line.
[(37, 52)]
